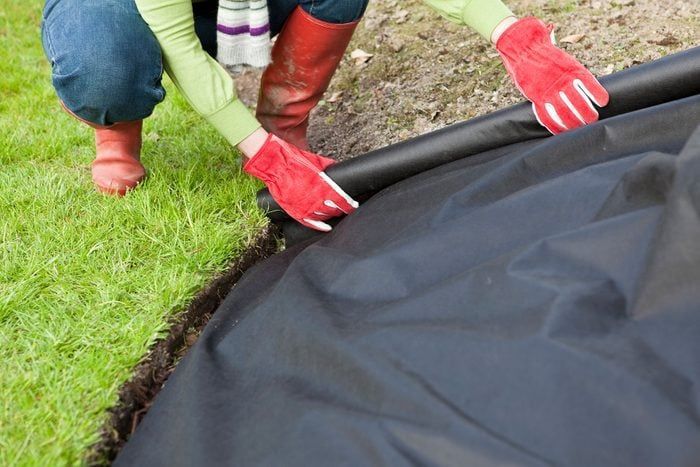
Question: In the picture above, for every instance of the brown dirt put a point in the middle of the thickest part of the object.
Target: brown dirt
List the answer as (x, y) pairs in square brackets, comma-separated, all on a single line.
[(137, 394), (427, 73)]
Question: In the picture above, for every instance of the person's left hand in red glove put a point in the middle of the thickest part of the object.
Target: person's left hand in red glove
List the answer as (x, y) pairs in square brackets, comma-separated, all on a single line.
[(562, 91), (296, 179)]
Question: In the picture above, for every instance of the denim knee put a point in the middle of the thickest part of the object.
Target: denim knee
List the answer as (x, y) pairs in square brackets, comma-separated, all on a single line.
[(335, 11), (106, 63)]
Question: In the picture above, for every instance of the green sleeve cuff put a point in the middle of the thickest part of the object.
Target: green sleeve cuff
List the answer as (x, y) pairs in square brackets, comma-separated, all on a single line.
[(234, 121), (484, 15)]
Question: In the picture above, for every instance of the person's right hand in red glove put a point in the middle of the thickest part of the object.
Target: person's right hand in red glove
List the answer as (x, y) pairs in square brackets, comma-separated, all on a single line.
[(296, 179), (562, 91)]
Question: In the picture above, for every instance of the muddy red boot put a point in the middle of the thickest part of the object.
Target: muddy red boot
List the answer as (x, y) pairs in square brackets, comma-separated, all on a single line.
[(117, 167), (304, 58)]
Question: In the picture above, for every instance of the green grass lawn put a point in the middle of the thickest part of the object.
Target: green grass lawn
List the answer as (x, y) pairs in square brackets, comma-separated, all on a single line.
[(88, 282)]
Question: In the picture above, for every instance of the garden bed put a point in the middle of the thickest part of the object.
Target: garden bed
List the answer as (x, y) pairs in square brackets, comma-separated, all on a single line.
[(90, 284)]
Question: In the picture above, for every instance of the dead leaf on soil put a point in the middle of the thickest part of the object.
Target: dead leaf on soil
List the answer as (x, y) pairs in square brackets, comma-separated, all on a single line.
[(360, 56), (666, 40), (335, 97), (572, 39)]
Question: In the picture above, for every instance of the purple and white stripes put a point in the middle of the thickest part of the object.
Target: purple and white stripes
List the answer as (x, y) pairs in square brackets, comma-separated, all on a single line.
[(243, 33), (236, 30)]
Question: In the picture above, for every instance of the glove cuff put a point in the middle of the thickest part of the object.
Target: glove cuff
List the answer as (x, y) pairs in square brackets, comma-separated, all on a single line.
[(276, 157), (263, 161), (522, 36)]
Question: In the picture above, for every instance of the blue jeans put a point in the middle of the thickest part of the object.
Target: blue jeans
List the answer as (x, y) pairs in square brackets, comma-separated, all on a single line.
[(107, 65)]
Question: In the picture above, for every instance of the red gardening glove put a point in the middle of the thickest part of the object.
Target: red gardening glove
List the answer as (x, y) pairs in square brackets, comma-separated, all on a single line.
[(297, 181), (562, 91)]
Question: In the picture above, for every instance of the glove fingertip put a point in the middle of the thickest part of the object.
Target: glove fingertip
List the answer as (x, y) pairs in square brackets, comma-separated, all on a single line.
[(317, 225), (339, 191), (593, 89), (600, 93), (604, 98), (348, 204), (549, 126)]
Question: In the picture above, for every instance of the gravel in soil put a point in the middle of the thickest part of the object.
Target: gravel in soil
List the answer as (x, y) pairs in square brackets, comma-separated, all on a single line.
[(425, 73)]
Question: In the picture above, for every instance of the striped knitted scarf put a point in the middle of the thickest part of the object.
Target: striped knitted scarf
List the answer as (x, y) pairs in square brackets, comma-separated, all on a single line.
[(243, 33)]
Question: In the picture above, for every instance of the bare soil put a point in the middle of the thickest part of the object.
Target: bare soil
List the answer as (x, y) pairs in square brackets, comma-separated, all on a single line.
[(426, 73)]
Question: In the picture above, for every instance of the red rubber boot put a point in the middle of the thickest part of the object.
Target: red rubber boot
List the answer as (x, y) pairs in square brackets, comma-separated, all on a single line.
[(117, 167), (304, 58)]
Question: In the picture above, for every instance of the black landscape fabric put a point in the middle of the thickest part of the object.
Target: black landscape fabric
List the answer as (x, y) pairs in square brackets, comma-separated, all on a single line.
[(535, 304)]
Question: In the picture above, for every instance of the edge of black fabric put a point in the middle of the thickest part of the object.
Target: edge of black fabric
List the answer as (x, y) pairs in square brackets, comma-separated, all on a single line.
[(663, 80)]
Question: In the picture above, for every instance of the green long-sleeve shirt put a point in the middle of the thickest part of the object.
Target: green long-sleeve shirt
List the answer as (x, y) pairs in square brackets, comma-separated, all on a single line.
[(209, 88)]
